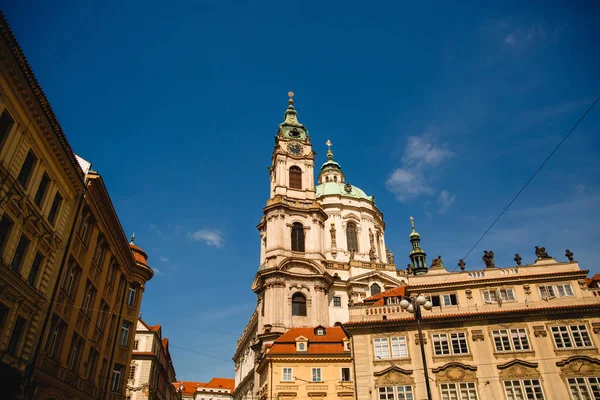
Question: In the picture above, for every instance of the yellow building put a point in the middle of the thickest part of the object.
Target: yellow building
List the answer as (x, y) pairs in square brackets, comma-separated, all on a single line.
[(41, 186), (307, 363), (515, 332), (88, 337)]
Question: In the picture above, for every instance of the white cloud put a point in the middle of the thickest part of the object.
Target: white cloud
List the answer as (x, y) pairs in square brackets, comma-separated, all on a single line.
[(580, 188), (522, 36), (212, 237), (164, 259), (156, 271), (445, 199), (421, 157)]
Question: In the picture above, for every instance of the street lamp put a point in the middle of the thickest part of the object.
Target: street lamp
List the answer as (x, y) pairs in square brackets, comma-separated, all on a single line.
[(180, 390), (413, 305)]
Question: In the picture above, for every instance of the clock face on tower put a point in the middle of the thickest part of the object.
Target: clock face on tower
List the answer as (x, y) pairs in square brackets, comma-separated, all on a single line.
[(295, 149)]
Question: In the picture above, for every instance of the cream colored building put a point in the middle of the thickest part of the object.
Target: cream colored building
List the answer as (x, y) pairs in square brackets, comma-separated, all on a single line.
[(215, 389), (322, 246), (151, 372), (307, 363), (512, 332)]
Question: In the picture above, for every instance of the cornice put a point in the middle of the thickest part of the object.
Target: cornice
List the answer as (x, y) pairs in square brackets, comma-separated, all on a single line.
[(74, 172)]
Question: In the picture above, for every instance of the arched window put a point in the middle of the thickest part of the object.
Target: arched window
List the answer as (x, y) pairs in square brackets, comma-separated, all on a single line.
[(351, 238), (295, 178), (299, 305), (375, 289), (297, 237)]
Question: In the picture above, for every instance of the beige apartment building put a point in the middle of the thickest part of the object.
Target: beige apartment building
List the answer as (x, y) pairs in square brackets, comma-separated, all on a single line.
[(215, 389), (88, 336), (41, 187), (514, 332), (307, 363), (151, 372)]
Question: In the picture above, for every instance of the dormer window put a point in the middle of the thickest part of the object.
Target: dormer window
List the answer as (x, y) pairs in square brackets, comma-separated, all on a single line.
[(301, 346), (320, 331)]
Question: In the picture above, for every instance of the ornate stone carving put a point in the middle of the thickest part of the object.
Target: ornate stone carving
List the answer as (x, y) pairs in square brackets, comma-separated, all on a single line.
[(393, 376), (527, 288), (569, 255), (352, 252), (540, 331), (462, 264), (469, 293), (541, 253), (390, 257), (518, 369), (518, 259), (372, 255), (436, 263), (488, 259), (477, 335), (418, 341), (580, 366), (596, 327), (455, 372)]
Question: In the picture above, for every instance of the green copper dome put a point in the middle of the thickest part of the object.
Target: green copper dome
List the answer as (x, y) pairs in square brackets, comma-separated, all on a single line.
[(342, 189)]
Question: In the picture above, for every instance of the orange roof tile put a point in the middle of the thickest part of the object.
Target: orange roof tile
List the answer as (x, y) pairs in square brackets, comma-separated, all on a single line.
[(139, 254), (379, 298), (188, 387), (221, 383), (329, 343)]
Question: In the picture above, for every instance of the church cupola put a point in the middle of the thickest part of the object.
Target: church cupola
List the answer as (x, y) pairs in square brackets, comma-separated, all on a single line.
[(331, 171), (290, 128), (417, 255)]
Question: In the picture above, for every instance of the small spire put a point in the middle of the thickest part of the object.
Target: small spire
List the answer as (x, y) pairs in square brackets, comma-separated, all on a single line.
[(412, 223), (291, 99), (132, 238), (329, 152)]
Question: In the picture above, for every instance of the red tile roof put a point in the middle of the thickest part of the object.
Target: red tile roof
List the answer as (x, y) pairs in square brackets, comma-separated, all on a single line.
[(221, 383), (379, 298), (139, 254), (590, 281), (189, 388), (329, 343)]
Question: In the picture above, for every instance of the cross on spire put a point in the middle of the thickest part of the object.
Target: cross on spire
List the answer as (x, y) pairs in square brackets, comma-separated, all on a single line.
[(329, 152)]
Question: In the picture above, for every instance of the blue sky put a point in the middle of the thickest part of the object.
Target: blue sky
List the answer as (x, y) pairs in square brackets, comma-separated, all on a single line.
[(441, 112)]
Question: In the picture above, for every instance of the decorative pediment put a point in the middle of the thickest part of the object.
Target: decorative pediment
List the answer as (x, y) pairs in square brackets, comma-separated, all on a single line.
[(455, 372), (366, 278), (301, 267), (579, 365), (301, 339), (394, 375), (518, 369), (351, 217)]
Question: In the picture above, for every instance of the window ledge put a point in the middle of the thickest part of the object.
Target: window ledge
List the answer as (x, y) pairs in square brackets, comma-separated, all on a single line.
[(452, 357), (514, 353), (383, 361)]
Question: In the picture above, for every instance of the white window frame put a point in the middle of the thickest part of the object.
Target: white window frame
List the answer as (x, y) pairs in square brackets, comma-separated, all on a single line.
[(498, 295), (524, 384), (287, 376), (548, 292), (334, 299), (131, 295), (583, 382), (124, 334), (515, 337), (570, 334), (446, 299), (381, 348), (399, 347), (115, 384), (317, 373), (398, 392), (459, 390), (342, 374), (449, 340)]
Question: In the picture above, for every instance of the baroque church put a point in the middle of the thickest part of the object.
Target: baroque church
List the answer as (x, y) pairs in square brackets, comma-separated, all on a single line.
[(322, 249)]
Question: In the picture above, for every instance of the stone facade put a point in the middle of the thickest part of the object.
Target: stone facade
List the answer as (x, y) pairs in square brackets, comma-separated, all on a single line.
[(500, 332), (151, 374)]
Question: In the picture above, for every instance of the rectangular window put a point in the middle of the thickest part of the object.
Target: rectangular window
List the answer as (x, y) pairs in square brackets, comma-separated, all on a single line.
[(548, 292), (382, 348), (316, 375), (459, 343), (346, 375), (511, 339), (435, 300), (35, 268), (26, 169), (42, 189), (102, 315), (71, 278), (6, 124), (399, 348), (56, 203), (131, 375), (585, 387), (75, 352), (6, 225), (454, 391), (55, 337), (337, 301), (287, 375), (136, 344), (15, 337), (20, 253), (386, 393), (131, 295), (449, 299), (4, 311), (112, 272), (124, 337), (88, 298), (91, 365), (571, 336), (493, 295), (564, 290), (115, 384), (526, 389), (440, 344)]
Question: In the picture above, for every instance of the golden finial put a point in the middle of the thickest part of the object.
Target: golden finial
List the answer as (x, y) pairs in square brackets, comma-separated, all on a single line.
[(291, 99), (329, 152), (412, 223)]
